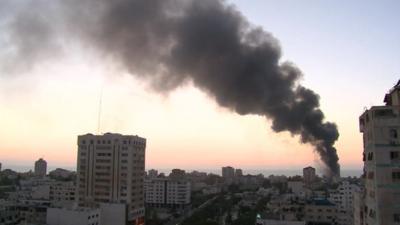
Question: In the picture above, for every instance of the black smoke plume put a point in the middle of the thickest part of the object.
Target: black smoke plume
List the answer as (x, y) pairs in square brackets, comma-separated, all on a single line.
[(171, 42)]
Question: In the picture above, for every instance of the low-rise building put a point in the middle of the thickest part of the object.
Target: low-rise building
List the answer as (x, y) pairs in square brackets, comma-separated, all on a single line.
[(100, 214), (77, 216), (61, 173), (8, 213), (320, 211)]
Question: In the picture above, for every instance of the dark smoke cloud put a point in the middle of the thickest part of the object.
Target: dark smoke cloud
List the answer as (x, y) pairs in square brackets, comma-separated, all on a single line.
[(171, 42)]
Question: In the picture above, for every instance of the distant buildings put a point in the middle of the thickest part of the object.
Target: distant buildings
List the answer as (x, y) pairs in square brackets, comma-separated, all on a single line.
[(228, 172), (61, 173), (177, 174), (238, 172), (152, 173), (111, 170), (309, 175), (40, 168), (167, 192)]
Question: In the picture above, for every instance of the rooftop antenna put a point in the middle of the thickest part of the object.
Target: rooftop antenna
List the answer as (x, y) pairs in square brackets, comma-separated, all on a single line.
[(99, 115)]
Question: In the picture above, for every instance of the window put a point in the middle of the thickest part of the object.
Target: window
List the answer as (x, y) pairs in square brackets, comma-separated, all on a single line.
[(394, 155), (393, 133), (370, 156), (396, 217), (396, 176), (372, 213)]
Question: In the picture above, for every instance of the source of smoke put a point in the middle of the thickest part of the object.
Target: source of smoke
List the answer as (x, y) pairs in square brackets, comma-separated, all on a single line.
[(170, 42)]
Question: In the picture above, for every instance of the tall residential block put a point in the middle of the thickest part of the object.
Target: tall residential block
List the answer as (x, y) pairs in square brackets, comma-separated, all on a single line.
[(380, 126), (228, 172), (111, 169), (309, 175), (40, 168)]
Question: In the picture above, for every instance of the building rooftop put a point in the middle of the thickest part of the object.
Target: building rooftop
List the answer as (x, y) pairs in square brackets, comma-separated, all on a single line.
[(320, 202)]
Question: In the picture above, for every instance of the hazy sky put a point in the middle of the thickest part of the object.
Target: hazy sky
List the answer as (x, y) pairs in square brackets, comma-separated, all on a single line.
[(349, 52)]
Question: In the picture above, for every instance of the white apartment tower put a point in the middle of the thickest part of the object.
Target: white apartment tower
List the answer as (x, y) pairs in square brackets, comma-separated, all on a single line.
[(380, 126), (111, 169), (40, 168)]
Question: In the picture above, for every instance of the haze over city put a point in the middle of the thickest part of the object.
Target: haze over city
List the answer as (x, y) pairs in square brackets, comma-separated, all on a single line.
[(199, 112), (348, 54)]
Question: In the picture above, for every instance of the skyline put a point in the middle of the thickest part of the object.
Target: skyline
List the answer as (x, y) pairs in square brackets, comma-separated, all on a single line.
[(214, 135)]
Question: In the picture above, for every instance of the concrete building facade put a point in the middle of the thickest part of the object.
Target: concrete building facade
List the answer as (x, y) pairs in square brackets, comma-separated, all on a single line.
[(78, 216), (238, 172), (167, 192), (343, 197), (380, 126), (111, 169), (309, 175), (228, 173), (321, 211), (40, 168), (152, 173)]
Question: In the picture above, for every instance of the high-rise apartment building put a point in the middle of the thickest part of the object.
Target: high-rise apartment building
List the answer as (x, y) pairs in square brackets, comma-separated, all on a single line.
[(111, 169), (380, 126), (228, 172), (40, 168), (309, 175)]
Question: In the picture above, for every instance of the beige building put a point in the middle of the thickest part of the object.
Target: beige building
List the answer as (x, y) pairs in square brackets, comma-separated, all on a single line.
[(40, 168), (167, 192), (380, 126), (111, 169)]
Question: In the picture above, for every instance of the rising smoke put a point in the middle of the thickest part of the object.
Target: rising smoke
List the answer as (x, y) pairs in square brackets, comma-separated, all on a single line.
[(171, 42)]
